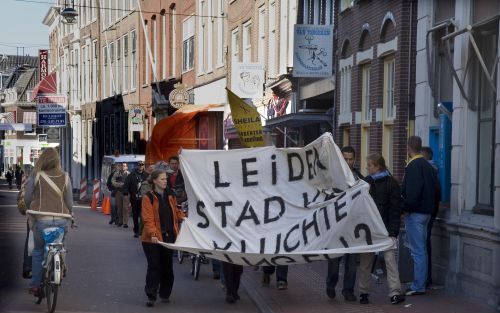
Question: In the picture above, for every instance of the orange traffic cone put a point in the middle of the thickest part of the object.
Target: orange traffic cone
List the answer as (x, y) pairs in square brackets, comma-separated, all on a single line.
[(93, 205), (106, 206)]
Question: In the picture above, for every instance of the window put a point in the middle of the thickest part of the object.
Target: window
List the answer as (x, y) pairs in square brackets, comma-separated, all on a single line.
[(235, 41), (262, 35), (113, 12), (188, 44), (201, 38), (272, 40), (365, 147), (319, 11), (112, 65), (133, 60), (146, 56), (85, 67), (345, 90), (118, 66), (164, 45), (94, 69), (220, 35), (247, 42), (345, 4), (124, 65), (389, 77), (365, 93), (484, 97), (210, 36), (155, 47), (93, 10)]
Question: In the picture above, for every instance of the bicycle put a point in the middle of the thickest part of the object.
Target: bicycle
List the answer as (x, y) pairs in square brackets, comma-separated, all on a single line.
[(196, 261), (54, 265)]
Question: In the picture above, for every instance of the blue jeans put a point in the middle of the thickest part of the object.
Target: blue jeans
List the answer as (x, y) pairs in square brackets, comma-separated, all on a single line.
[(349, 273), (281, 271), (39, 247), (416, 231)]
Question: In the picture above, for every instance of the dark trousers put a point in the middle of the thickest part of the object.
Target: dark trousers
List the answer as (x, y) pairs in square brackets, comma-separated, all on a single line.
[(160, 274), (114, 212), (232, 277), (136, 214), (429, 250), (27, 258), (349, 273), (281, 271)]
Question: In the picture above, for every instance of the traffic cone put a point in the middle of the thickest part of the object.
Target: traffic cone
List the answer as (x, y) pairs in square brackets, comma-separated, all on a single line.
[(106, 206), (93, 205)]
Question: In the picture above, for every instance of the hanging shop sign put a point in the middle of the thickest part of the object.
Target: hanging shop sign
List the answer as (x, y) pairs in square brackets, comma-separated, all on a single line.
[(51, 110), (312, 51), (247, 80), (136, 119)]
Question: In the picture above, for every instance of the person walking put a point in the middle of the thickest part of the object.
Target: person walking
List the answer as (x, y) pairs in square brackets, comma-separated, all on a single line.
[(49, 197), (112, 192), (386, 194), (9, 178), (349, 260), (232, 277), (428, 154), (161, 219), (19, 176), (118, 182), (176, 180), (281, 276), (133, 184), (418, 192)]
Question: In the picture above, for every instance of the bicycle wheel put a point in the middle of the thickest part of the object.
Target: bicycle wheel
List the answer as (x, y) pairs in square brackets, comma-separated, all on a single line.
[(197, 264), (51, 290), (180, 256)]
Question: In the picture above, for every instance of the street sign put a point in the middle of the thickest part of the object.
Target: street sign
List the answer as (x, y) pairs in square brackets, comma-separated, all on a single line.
[(43, 61), (53, 135), (51, 109), (42, 137)]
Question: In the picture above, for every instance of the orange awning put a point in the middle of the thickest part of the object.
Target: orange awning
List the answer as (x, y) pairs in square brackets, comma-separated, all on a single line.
[(175, 132)]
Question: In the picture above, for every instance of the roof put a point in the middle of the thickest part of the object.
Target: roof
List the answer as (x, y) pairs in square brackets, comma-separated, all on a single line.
[(8, 63)]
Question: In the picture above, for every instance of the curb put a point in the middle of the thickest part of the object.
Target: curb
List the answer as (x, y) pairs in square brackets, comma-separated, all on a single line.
[(254, 295)]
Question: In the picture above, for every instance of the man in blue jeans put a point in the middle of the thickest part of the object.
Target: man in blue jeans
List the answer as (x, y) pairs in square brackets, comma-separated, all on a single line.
[(418, 190)]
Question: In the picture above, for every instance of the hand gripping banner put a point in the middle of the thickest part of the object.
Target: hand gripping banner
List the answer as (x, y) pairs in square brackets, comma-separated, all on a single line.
[(277, 206)]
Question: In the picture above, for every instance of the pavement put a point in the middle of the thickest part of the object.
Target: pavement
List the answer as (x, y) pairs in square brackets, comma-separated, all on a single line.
[(107, 267)]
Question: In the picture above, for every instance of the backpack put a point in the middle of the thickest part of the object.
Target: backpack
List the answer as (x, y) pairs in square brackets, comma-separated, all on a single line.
[(21, 204), (109, 182)]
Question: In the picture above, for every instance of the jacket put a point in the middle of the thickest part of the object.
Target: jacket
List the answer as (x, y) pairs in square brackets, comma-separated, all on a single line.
[(419, 187), (134, 183), (41, 197), (386, 194), (118, 181), (151, 216)]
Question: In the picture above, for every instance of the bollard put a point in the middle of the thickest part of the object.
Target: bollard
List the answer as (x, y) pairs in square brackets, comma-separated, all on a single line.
[(95, 195), (83, 189)]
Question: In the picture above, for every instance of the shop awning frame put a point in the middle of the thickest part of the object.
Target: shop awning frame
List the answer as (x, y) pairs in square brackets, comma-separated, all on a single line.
[(300, 119)]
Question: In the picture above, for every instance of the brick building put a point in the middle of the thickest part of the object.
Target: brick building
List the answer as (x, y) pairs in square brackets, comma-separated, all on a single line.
[(375, 78)]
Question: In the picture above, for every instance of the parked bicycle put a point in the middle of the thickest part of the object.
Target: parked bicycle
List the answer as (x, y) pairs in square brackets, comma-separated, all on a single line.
[(54, 266)]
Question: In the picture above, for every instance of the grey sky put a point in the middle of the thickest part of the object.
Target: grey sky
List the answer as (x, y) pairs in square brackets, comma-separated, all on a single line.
[(21, 25)]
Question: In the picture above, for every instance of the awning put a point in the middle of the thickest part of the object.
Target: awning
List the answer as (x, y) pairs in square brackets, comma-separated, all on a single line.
[(300, 119), (29, 117), (46, 85), (16, 127)]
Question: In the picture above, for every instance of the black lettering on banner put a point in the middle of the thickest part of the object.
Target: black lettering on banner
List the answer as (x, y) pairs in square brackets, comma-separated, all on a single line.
[(243, 216), (229, 260), (306, 226), (246, 261), (288, 260), (329, 196), (339, 216), (366, 229), (243, 246), (226, 247), (309, 257), (203, 253), (344, 243), (218, 183), (262, 245), (327, 219), (317, 161), (291, 175), (274, 173), (247, 173), (285, 242), (305, 195), (223, 206), (310, 166), (354, 196), (327, 257), (278, 244), (199, 209), (267, 201), (263, 262)]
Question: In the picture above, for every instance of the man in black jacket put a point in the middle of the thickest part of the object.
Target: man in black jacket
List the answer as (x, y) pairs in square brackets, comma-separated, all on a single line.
[(133, 184), (418, 190)]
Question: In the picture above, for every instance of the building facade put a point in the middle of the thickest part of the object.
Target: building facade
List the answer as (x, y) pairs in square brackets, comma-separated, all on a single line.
[(375, 79), (457, 107)]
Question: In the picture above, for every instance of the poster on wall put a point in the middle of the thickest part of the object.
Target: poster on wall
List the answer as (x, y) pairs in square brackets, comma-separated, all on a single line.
[(312, 51), (136, 119), (247, 80)]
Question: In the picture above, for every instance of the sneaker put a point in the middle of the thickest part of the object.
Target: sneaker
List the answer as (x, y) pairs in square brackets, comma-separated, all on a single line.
[(363, 298), (411, 292), (282, 285), (397, 299), (125, 226), (151, 302), (330, 292), (266, 279), (230, 299), (349, 296)]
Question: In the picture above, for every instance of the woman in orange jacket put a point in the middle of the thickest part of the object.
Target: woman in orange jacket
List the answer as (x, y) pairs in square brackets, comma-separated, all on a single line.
[(161, 219)]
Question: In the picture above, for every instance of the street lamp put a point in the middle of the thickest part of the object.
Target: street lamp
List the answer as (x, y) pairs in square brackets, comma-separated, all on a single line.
[(69, 13)]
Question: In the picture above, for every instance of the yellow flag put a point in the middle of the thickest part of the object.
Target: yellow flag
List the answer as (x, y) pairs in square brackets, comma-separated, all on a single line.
[(246, 119)]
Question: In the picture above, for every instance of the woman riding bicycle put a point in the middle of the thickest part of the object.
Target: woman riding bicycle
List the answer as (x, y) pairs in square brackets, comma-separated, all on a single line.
[(49, 198)]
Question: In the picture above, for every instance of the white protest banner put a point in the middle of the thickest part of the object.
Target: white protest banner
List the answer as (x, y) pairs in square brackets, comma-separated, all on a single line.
[(270, 206), (247, 80), (312, 51)]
